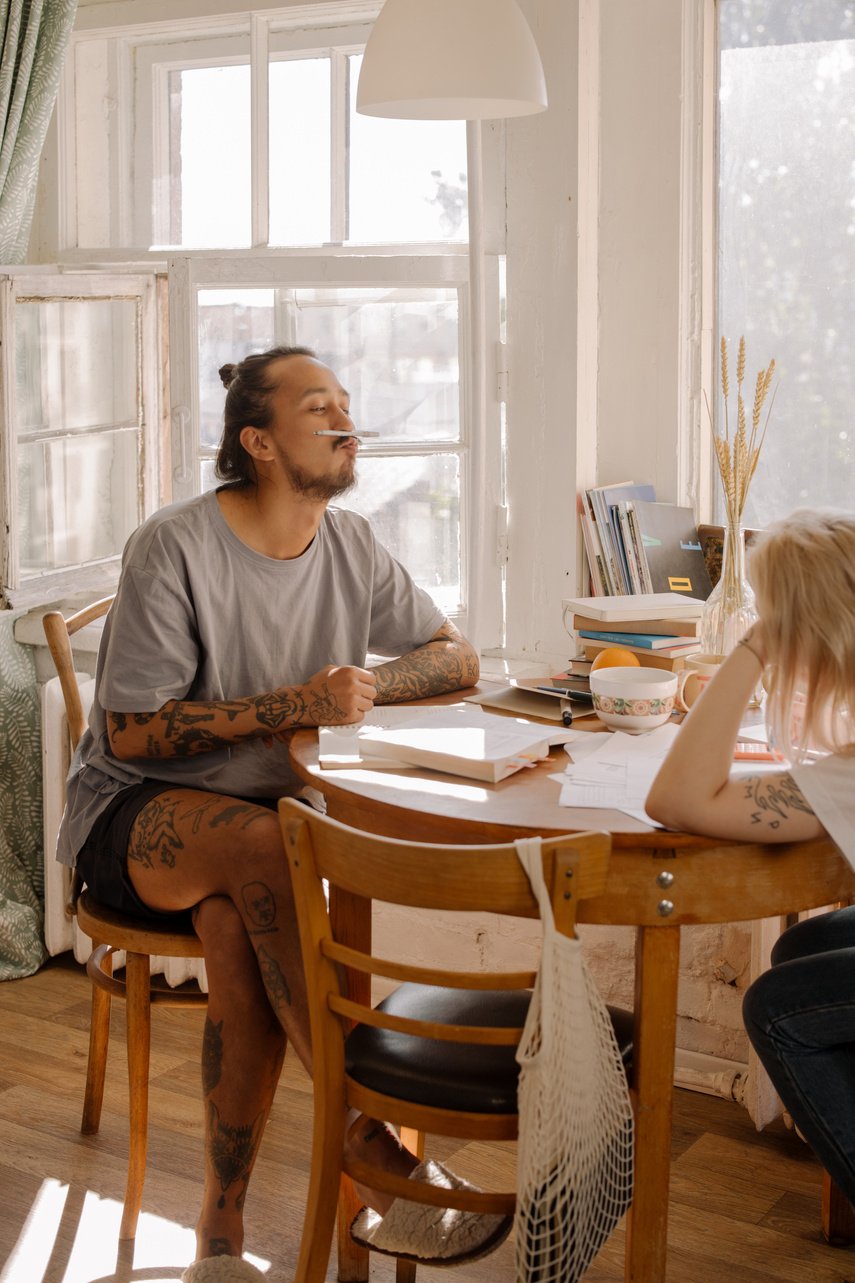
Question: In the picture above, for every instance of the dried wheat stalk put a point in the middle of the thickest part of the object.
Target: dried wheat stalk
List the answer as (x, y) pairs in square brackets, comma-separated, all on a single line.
[(737, 456)]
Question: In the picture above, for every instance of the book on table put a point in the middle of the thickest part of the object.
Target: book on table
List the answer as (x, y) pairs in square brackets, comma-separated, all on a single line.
[(674, 658), (458, 741), (604, 535), (638, 641), (636, 606), (650, 627), (672, 548)]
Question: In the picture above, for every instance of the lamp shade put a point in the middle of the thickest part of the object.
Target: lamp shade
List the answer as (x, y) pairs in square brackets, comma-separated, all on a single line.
[(451, 60)]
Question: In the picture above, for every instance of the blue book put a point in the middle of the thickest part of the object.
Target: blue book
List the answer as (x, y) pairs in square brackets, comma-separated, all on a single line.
[(648, 641)]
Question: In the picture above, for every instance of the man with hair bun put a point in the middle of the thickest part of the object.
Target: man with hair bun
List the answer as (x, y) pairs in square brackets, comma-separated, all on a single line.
[(242, 615)]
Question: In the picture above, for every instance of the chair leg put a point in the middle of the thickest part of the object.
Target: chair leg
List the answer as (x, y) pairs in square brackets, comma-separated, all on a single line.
[(322, 1200), (414, 1141), (138, 1014), (96, 1065), (352, 1259), (838, 1214)]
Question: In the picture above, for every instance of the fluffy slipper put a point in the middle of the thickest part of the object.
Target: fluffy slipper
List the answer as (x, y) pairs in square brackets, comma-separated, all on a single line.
[(223, 1269), (431, 1235)]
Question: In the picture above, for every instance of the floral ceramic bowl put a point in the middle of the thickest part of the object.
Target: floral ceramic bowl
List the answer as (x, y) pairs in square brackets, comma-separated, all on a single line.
[(633, 699)]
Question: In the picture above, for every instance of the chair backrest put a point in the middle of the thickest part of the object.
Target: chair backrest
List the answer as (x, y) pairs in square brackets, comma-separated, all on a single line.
[(425, 876), (58, 632)]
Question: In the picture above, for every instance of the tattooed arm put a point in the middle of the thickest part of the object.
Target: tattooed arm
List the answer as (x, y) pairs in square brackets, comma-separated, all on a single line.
[(446, 663), (184, 728), (693, 789)]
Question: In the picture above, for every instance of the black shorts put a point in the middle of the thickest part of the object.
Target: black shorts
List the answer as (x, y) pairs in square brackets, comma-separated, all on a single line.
[(103, 858)]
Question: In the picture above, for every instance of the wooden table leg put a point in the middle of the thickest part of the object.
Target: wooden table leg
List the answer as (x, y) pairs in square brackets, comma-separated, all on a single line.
[(657, 960), (838, 1214)]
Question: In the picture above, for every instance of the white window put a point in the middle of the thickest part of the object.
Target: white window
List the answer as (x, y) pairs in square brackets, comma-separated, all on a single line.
[(232, 153), (395, 347), (79, 414), (786, 254)]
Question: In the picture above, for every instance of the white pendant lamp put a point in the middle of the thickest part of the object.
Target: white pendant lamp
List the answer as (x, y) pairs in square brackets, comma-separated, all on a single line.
[(451, 60)]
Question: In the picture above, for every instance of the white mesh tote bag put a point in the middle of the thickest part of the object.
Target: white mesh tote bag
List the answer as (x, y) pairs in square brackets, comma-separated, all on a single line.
[(574, 1178)]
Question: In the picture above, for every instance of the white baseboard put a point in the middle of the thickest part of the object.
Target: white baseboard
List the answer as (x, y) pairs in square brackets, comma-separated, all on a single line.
[(712, 1075)]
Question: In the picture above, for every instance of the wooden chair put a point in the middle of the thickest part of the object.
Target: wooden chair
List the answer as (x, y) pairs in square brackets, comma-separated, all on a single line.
[(429, 1087), (112, 932)]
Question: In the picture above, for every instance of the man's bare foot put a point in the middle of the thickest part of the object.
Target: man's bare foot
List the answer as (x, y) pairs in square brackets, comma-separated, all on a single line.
[(377, 1143)]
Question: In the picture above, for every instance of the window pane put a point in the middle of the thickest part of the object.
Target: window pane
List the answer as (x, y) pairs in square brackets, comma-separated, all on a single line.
[(407, 178), (79, 416), (413, 505), (787, 237), (78, 498), (396, 352), (210, 169), (232, 324), (299, 103), (75, 364)]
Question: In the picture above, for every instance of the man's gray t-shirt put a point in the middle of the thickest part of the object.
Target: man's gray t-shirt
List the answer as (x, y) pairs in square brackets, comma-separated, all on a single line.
[(199, 615)]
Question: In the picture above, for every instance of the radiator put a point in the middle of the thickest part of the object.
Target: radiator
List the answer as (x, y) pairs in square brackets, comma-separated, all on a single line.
[(60, 932)]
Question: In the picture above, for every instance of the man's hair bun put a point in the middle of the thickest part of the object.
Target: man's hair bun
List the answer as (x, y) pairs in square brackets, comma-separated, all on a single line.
[(227, 373)]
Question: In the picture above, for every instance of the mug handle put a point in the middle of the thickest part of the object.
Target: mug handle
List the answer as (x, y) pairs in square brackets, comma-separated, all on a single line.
[(682, 680)]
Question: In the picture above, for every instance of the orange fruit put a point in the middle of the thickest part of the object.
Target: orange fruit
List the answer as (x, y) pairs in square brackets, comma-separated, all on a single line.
[(615, 657)]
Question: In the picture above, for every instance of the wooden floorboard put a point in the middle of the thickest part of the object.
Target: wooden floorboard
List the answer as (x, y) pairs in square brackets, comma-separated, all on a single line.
[(744, 1205)]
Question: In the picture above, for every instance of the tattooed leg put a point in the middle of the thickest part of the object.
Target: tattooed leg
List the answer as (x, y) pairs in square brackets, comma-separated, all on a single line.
[(242, 1052), (185, 847), (187, 844)]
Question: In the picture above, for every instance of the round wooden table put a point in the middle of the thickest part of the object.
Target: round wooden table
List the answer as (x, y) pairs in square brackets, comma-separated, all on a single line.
[(659, 881)]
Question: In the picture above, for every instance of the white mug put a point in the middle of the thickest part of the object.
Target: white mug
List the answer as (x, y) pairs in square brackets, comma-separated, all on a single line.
[(698, 672)]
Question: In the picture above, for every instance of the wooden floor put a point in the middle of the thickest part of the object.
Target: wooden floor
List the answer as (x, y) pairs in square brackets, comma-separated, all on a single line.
[(744, 1206)]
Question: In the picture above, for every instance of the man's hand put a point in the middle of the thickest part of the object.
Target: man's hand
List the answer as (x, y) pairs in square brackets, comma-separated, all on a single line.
[(337, 696)]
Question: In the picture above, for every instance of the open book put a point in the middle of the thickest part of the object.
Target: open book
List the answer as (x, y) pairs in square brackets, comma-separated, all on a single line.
[(459, 741)]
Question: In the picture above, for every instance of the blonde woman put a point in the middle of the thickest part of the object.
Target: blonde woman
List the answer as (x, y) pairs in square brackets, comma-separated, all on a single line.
[(800, 1015)]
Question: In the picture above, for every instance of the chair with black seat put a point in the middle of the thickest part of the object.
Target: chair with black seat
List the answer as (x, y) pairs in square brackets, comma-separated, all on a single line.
[(454, 1073), (113, 932)]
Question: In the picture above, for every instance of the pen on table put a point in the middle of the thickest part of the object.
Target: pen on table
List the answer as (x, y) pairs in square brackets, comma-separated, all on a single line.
[(335, 432), (566, 711)]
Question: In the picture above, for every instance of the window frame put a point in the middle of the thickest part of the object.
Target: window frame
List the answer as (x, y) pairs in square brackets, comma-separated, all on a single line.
[(30, 284), (142, 52), (189, 273)]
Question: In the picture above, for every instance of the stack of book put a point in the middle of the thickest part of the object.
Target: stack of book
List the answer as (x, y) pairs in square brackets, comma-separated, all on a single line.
[(662, 629), (636, 545)]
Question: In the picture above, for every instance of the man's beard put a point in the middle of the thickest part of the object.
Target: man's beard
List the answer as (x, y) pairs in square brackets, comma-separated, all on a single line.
[(323, 487)]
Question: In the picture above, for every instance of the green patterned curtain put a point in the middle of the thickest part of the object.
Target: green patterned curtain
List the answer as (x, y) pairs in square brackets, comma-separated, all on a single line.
[(35, 36), (21, 863)]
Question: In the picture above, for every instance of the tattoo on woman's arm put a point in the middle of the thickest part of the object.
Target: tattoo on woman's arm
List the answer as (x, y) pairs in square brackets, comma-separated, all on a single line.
[(774, 799)]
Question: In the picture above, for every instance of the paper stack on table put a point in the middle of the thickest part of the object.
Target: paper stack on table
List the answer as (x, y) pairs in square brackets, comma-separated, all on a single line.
[(616, 771)]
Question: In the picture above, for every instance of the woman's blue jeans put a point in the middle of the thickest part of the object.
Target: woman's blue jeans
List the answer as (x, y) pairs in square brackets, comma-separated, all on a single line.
[(800, 1017)]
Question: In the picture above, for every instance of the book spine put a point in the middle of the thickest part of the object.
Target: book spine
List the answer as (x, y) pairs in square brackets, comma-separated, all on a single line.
[(629, 548), (601, 521), (635, 641), (599, 583), (638, 544), (651, 627), (648, 658)]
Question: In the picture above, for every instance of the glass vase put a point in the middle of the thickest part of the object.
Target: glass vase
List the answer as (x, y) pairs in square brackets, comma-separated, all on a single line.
[(729, 611)]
